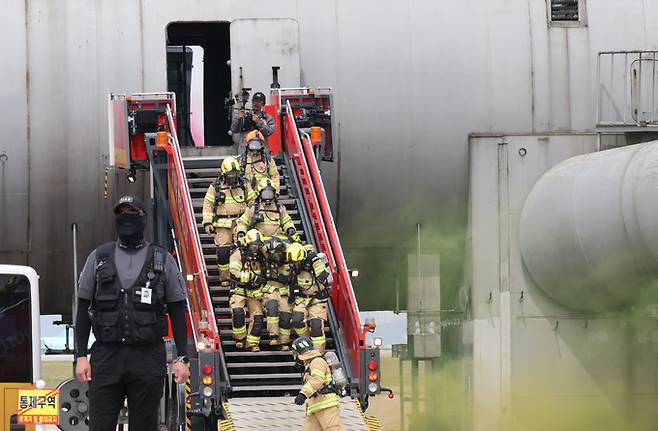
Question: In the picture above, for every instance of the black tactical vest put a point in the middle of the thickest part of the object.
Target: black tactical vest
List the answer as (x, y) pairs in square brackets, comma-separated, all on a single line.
[(117, 313)]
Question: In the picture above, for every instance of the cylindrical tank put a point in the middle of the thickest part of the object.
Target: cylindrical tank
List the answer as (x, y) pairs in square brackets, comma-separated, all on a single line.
[(589, 228)]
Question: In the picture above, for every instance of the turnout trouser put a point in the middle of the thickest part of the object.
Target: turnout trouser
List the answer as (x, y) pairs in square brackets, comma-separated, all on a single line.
[(323, 420), (254, 306)]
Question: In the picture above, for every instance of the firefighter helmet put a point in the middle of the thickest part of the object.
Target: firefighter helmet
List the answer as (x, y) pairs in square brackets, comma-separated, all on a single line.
[(253, 236), (276, 245), (230, 164), (263, 183), (254, 135), (296, 252), (302, 345)]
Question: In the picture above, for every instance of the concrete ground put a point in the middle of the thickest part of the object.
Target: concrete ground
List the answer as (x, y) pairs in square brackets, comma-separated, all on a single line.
[(57, 369)]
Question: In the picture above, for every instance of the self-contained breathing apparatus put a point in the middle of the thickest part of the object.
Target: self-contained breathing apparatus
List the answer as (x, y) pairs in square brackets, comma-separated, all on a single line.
[(248, 256), (339, 382), (324, 286), (220, 195)]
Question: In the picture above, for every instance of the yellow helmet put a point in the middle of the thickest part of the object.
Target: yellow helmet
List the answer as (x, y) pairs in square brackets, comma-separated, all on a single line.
[(254, 134), (230, 164), (253, 236), (264, 182), (296, 252)]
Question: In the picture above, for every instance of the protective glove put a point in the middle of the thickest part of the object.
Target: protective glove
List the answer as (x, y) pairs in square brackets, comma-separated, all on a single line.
[(300, 399), (258, 280), (210, 229), (240, 238), (292, 234)]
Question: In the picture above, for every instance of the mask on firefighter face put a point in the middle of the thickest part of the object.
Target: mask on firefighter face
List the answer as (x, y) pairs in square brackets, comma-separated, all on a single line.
[(277, 258), (232, 178), (252, 250), (256, 146), (267, 195), (130, 228)]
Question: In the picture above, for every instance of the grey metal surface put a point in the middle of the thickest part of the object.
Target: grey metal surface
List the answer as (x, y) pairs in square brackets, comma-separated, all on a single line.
[(280, 413), (424, 306), (530, 354), (412, 80), (257, 44), (587, 231)]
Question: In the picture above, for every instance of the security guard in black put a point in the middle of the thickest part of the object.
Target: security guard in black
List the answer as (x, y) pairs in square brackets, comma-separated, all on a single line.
[(126, 289)]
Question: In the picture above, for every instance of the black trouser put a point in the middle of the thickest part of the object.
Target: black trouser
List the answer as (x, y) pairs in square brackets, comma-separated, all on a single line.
[(118, 371)]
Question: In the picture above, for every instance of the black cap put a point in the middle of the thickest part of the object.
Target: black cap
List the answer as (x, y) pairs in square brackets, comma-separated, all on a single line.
[(258, 96), (132, 201)]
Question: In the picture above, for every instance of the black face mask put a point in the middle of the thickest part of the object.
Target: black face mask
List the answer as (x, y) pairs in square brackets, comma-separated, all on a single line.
[(232, 179), (130, 228), (277, 258)]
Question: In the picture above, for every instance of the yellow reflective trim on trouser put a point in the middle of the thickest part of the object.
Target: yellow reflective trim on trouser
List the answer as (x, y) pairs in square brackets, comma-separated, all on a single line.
[(240, 331), (284, 331), (224, 267), (253, 339), (273, 319), (330, 401), (321, 339)]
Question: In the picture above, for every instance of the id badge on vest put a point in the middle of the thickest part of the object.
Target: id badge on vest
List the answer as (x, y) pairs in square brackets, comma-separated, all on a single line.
[(147, 294)]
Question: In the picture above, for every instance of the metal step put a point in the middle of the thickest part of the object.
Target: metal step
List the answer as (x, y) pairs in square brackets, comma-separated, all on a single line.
[(261, 364), (235, 377)]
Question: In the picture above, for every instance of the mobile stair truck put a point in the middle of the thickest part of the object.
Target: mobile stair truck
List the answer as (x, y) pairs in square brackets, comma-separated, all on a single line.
[(232, 389)]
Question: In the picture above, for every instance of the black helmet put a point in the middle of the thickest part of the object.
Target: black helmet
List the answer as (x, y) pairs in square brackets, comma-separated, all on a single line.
[(276, 249), (302, 345), (258, 96)]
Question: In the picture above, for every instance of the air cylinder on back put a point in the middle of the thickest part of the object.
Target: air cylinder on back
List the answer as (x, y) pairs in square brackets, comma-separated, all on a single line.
[(589, 228)]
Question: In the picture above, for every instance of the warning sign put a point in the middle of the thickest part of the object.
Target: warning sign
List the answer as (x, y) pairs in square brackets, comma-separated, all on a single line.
[(38, 406)]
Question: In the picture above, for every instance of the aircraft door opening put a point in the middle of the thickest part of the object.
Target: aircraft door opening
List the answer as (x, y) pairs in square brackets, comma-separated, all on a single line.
[(198, 71)]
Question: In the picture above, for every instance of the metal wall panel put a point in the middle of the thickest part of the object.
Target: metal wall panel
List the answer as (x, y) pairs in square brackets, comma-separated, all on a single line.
[(13, 149), (412, 78), (256, 46)]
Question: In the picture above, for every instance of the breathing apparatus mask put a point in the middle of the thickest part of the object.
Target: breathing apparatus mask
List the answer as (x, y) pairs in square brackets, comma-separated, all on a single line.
[(255, 146), (267, 195), (232, 178)]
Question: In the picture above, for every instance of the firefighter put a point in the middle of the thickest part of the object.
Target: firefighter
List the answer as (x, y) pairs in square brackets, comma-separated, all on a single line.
[(309, 291), (258, 120), (266, 215), (322, 402), (256, 163), (226, 200), (278, 310), (246, 265), (126, 289)]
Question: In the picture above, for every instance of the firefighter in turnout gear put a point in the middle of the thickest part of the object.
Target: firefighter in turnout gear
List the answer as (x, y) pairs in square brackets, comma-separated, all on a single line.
[(226, 200), (256, 163), (276, 291), (309, 292), (322, 402), (126, 290), (266, 215), (246, 266)]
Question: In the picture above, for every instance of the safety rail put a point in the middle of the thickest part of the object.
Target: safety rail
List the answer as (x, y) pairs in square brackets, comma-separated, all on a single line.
[(300, 152), (626, 89), (202, 317)]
